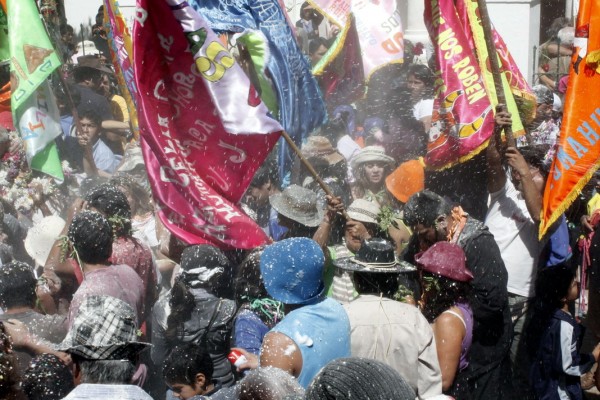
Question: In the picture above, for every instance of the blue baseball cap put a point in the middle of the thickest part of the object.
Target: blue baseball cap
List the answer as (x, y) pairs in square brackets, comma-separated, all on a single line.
[(292, 271)]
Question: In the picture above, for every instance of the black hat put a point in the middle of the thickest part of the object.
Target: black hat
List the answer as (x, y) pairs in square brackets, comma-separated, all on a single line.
[(358, 378), (375, 255)]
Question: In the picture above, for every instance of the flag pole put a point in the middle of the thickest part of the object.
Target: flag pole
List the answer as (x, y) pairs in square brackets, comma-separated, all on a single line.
[(310, 168), (495, 66)]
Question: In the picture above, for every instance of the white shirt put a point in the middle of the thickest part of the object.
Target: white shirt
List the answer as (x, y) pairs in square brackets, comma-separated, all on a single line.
[(348, 148), (423, 108), (516, 234)]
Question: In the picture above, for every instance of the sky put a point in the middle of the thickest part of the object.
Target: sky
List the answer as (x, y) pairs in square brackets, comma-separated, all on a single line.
[(79, 11)]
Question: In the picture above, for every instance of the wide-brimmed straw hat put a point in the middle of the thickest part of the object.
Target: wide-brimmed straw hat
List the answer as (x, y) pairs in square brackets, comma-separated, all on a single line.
[(362, 210), (104, 328), (298, 204), (406, 180), (93, 62), (445, 259), (321, 147), (370, 154), (375, 255), (41, 237)]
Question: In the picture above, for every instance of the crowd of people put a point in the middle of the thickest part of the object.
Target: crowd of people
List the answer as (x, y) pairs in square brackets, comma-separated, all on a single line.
[(387, 285)]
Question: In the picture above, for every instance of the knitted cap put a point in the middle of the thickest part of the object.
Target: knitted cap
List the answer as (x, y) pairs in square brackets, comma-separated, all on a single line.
[(358, 378)]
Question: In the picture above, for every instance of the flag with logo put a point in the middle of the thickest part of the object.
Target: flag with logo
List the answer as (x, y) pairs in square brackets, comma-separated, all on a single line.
[(32, 60), (121, 52), (203, 128), (578, 153), (465, 96), (301, 106), (379, 28)]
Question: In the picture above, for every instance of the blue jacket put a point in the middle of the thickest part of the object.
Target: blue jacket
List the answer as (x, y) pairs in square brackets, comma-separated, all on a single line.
[(557, 367)]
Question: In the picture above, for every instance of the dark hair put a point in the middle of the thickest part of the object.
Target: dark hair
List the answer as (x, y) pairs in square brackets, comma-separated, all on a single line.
[(422, 73), (65, 28), (113, 204), (368, 282), (265, 174), (424, 208), (536, 157), (91, 236), (182, 299), (82, 74), (47, 378), (314, 45), (17, 285), (551, 287), (446, 293), (62, 97), (137, 191), (92, 115), (248, 282), (334, 128), (9, 384), (185, 362)]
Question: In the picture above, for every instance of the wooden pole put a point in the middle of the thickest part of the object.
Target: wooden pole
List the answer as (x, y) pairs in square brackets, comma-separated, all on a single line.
[(495, 66), (310, 168)]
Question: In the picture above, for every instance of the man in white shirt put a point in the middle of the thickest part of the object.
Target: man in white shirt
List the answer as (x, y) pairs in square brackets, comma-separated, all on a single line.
[(513, 217)]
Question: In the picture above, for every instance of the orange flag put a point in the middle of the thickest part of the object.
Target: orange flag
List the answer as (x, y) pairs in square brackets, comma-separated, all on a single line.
[(578, 153)]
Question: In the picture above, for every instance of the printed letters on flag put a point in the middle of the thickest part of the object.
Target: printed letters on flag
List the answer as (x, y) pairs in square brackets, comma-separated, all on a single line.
[(379, 28), (465, 96), (578, 154), (301, 106), (32, 60), (204, 130)]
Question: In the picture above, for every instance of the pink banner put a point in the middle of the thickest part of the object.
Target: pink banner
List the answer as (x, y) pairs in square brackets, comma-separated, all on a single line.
[(378, 25), (204, 130), (462, 118)]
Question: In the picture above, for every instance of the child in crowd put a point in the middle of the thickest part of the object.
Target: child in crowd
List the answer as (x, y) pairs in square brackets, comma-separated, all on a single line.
[(555, 338), (188, 372)]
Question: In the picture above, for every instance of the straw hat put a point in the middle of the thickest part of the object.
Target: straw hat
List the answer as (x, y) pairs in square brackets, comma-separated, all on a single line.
[(370, 154), (320, 146), (298, 204), (362, 210), (93, 62), (41, 237), (406, 180)]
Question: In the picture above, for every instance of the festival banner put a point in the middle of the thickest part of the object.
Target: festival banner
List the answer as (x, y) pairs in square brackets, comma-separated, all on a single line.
[(379, 28), (32, 60), (340, 71), (578, 153), (121, 51), (4, 50), (301, 106), (204, 130), (462, 119), (513, 82)]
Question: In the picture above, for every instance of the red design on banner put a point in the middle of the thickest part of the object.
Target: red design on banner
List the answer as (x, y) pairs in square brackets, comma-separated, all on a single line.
[(198, 170)]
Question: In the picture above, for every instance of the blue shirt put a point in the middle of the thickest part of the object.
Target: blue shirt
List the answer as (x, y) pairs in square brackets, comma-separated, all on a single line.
[(322, 333)]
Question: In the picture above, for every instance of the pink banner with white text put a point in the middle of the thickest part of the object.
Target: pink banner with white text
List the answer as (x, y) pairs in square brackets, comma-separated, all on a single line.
[(204, 129)]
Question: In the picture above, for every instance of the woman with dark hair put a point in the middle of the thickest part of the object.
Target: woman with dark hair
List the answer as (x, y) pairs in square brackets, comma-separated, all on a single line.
[(445, 286), (257, 311), (142, 209), (371, 166), (420, 80), (194, 312)]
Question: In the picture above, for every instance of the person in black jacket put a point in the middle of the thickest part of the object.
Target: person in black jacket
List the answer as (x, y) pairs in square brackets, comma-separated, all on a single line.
[(194, 312), (432, 220)]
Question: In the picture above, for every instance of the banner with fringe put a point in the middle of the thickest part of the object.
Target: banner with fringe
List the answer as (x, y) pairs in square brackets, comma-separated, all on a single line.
[(578, 153)]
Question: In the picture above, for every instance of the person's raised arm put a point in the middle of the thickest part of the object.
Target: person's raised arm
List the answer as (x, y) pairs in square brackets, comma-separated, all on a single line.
[(496, 176), (531, 193), (334, 206)]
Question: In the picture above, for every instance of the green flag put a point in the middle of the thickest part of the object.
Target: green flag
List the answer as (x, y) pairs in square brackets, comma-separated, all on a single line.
[(32, 60), (4, 52)]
